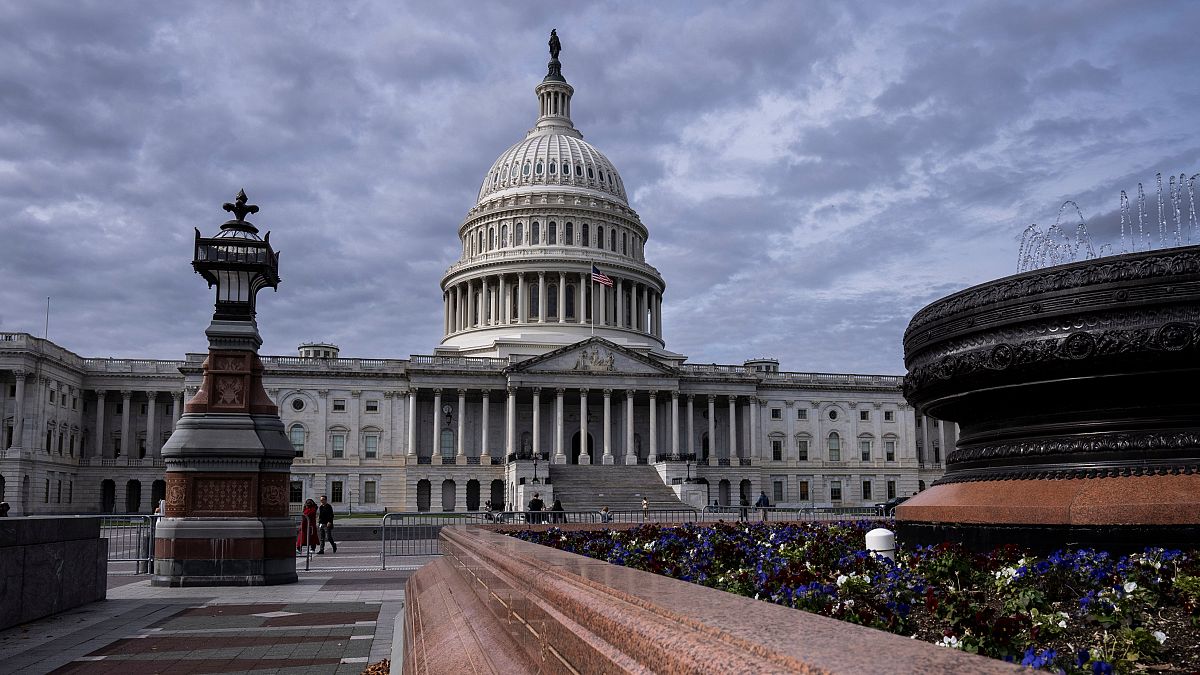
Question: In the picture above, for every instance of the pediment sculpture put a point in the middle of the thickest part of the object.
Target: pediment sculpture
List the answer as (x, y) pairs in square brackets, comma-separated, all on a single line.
[(595, 360)]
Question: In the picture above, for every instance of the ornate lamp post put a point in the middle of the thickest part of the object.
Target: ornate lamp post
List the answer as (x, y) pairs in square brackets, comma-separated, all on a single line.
[(228, 460)]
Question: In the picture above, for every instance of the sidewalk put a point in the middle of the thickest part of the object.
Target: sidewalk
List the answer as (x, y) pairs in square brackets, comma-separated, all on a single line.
[(329, 622)]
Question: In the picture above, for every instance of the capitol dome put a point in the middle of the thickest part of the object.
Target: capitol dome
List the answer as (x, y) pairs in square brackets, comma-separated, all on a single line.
[(551, 251)]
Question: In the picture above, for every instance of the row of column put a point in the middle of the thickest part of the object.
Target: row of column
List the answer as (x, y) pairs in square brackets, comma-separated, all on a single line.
[(153, 447), (487, 301), (559, 450)]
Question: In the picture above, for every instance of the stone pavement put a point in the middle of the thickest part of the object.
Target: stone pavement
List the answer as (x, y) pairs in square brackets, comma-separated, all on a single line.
[(332, 621)]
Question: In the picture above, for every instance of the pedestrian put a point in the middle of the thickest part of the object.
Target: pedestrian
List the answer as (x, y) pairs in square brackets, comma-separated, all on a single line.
[(745, 511), (325, 520), (763, 503), (535, 508), (558, 514), (4, 507), (605, 514), (645, 509), (307, 537)]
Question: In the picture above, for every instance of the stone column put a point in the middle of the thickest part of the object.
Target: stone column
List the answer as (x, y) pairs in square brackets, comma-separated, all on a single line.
[(691, 431), (458, 309), (126, 403), (581, 305), (542, 304), (789, 443), (522, 300), (483, 432), (437, 415), (462, 416), (658, 315), (712, 429), (620, 304), (642, 322), (100, 394), (584, 457), (562, 297), (176, 409), (754, 424), (387, 444), (560, 456), (19, 420), (630, 450), (733, 449), (675, 425), (510, 423), (652, 451), (151, 424), (412, 423), (537, 422), (470, 310), (505, 308), (608, 457)]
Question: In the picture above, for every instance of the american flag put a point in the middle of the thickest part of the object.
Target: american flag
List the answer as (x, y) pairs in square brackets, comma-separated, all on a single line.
[(600, 277)]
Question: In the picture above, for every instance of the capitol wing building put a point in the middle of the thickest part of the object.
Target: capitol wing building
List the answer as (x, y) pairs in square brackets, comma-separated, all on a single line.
[(553, 375)]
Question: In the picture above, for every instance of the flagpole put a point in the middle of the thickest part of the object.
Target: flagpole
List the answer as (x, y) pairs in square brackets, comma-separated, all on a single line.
[(593, 289)]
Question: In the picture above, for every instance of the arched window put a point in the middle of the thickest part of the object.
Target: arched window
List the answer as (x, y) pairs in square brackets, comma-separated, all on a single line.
[(552, 301), (835, 447), (533, 300), (570, 301), (538, 169), (566, 169), (503, 235), (514, 170), (583, 241), (535, 232), (612, 240), (297, 435), (520, 233), (578, 171), (491, 238), (525, 171), (599, 236), (570, 234), (591, 176), (447, 443), (624, 245), (552, 168), (552, 233)]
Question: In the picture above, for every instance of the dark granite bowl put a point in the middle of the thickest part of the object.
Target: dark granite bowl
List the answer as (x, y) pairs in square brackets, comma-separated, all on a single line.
[(1087, 370)]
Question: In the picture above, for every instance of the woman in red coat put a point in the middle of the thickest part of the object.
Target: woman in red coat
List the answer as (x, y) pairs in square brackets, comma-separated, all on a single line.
[(308, 528)]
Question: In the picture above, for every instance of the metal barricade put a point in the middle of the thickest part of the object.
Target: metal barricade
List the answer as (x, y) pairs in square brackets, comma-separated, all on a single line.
[(130, 539), (789, 513), (416, 534), (655, 516)]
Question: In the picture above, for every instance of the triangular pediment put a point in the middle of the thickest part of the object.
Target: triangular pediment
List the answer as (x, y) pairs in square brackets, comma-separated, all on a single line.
[(593, 356)]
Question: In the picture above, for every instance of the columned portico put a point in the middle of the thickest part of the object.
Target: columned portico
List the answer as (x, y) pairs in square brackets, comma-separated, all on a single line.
[(126, 404), (608, 456)]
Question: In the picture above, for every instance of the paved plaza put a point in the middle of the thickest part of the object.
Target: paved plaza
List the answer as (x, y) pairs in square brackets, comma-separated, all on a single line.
[(339, 618)]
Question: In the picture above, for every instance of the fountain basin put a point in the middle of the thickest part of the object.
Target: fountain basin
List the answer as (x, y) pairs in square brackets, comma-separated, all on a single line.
[(1076, 389)]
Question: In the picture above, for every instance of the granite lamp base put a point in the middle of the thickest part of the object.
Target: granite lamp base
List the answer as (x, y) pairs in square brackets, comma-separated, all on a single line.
[(1117, 513), (224, 552)]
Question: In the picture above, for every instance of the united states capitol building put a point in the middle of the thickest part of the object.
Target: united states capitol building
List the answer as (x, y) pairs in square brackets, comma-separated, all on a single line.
[(549, 372)]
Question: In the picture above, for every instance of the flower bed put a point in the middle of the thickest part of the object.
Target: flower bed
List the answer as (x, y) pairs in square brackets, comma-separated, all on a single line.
[(1081, 611)]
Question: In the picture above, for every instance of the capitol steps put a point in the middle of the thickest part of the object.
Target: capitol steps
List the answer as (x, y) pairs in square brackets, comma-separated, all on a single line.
[(621, 488)]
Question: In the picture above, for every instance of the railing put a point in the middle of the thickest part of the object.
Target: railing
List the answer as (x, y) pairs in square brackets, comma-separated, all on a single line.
[(302, 363), (684, 515), (416, 534), (42, 346), (459, 362), (133, 366), (782, 513), (581, 253), (130, 539)]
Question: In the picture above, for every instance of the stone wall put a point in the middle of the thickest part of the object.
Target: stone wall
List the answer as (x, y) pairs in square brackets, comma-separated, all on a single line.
[(49, 564)]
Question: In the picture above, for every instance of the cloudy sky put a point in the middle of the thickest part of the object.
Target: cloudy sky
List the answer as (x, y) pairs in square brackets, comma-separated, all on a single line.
[(811, 173)]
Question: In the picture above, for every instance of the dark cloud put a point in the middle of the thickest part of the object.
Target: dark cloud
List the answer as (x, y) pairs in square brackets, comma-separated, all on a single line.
[(811, 174)]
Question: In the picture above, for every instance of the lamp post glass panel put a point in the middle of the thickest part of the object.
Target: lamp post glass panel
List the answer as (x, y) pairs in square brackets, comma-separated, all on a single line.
[(238, 262)]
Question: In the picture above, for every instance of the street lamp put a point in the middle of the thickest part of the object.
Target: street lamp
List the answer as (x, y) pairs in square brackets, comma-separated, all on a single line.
[(535, 465)]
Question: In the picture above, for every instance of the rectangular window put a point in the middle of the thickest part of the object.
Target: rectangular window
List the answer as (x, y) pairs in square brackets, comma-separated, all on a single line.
[(802, 450), (52, 396), (835, 491), (141, 448), (776, 414), (371, 447), (889, 448), (835, 449), (864, 415), (58, 491), (866, 490), (368, 496), (778, 489), (12, 391), (777, 450), (373, 406), (297, 437), (296, 491), (335, 492), (339, 445), (933, 423), (864, 448), (802, 414), (339, 405), (74, 402), (117, 446), (889, 415), (891, 487), (803, 485), (70, 492), (142, 409), (120, 408)]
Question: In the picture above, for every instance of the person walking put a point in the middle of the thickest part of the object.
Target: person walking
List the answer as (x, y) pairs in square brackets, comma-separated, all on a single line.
[(763, 503), (307, 536), (325, 520), (744, 514), (535, 508), (645, 509), (557, 512)]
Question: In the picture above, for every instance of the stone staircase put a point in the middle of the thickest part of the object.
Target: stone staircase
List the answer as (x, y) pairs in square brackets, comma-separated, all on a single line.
[(621, 488)]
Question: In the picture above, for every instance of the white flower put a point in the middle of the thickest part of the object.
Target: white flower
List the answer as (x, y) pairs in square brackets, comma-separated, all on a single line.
[(949, 641), (842, 579), (1130, 586), (1160, 636)]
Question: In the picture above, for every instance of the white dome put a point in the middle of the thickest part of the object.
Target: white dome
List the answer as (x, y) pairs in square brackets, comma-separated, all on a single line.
[(553, 159)]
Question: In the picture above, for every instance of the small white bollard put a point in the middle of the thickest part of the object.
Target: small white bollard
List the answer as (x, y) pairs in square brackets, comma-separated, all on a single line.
[(882, 541)]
